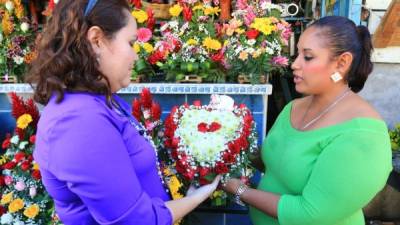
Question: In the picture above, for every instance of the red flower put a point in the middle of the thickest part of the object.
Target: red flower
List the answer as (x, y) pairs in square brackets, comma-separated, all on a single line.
[(2, 210), (242, 106), (2, 182), (235, 149), (175, 142), (228, 157), (155, 111), (221, 168), (202, 127), (26, 165), (155, 57), (203, 181), (19, 156), (146, 98), (218, 57), (32, 139), (252, 34), (10, 165), (36, 175), (197, 103), (176, 45), (136, 109), (214, 127), (7, 142), (187, 13), (151, 21), (137, 3), (30, 158), (204, 171)]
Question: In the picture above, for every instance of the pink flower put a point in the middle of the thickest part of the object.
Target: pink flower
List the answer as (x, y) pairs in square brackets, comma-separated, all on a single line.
[(241, 4), (144, 34), (20, 185), (249, 17), (8, 180), (280, 61)]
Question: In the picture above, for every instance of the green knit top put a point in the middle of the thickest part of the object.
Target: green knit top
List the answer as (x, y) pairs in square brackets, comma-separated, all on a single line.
[(324, 176)]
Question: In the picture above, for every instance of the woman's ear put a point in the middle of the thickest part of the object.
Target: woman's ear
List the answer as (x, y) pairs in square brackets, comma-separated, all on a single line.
[(95, 36), (344, 62)]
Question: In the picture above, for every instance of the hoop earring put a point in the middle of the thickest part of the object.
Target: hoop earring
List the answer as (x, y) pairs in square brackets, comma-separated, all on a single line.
[(336, 77)]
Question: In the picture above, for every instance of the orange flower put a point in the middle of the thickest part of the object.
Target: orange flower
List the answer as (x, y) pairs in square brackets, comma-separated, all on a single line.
[(30, 57), (19, 11), (8, 26)]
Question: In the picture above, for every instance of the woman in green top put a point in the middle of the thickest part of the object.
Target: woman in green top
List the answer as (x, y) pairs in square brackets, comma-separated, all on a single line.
[(328, 154)]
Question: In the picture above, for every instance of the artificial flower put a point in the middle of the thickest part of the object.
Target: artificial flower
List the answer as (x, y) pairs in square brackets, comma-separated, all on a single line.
[(144, 34), (140, 16), (24, 120), (31, 211), (175, 10), (16, 205)]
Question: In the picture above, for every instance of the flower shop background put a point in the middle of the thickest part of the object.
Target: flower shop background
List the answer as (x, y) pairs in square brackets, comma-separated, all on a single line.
[(381, 89)]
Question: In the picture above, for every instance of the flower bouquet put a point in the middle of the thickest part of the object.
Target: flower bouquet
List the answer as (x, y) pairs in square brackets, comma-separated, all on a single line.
[(255, 37), (16, 41), (207, 140), (190, 44), (24, 199), (145, 40)]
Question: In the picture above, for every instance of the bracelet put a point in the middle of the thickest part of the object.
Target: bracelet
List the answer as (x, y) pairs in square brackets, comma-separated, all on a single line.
[(239, 191)]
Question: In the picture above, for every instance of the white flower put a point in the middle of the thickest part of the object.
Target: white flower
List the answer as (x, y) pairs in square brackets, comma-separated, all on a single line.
[(25, 27), (22, 145), (251, 42), (19, 223), (14, 139), (18, 60), (20, 185), (1, 37), (32, 192), (6, 218), (146, 114), (9, 6)]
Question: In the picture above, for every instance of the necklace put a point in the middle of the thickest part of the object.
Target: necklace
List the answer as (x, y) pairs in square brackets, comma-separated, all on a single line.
[(142, 131), (327, 109)]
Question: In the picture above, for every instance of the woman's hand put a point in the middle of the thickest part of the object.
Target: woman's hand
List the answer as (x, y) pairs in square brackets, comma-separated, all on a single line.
[(231, 185), (204, 191)]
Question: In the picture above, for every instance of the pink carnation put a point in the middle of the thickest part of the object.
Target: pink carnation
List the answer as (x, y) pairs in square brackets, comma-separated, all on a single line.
[(249, 17), (144, 34), (280, 61)]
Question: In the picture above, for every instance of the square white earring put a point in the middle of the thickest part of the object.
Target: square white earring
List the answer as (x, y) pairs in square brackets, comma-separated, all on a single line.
[(336, 77)]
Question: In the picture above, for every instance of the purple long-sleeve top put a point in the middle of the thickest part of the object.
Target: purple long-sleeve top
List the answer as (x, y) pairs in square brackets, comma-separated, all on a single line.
[(96, 165)]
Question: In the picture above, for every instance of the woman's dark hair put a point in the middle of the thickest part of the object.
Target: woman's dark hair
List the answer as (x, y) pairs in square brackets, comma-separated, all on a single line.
[(66, 61), (342, 35)]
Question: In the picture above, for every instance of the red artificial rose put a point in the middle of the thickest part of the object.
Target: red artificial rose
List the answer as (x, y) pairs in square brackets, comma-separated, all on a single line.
[(214, 127), (26, 165), (36, 175), (155, 57), (2, 182), (197, 103), (189, 175), (228, 157), (10, 165), (19, 156), (30, 158), (187, 13), (32, 139), (221, 168), (235, 149), (175, 142), (203, 171), (252, 34), (2, 210), (218, 57), (202, 127)]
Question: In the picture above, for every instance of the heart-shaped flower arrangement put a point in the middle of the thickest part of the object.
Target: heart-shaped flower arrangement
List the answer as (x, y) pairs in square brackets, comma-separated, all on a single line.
[(206, 140)]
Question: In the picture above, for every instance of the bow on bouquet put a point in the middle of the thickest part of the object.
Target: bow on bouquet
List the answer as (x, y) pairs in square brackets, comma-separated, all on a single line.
[(206, 140)]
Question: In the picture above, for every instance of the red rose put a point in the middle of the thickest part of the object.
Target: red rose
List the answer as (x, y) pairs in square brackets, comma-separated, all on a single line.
[(197, 103), (203, 171), (221, 168), (2, 210), (252, 34), (30, 158), (214, 127), (10, 165), (235, 149), (36, 175), (175, 142), (2, 182), (6, 143), (19, 156), (189, 175), (32, 139), (217, 57), (228, 157), (202, 127), (26, 165)]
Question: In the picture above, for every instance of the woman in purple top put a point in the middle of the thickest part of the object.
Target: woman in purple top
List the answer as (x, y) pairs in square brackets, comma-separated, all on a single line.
[(94, 157)]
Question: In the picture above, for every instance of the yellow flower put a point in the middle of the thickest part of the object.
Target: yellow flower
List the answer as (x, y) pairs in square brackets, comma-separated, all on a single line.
[(263, 25), (243, 55), (24, 120), (136, 47), (226, 42), (32, 211), (5, 199), (240, 31), (212, 44), (198, 7), (148, 47), (175, 10), (35, 166), (191, 42), (174, 185), (140, 16), (212, 10), (7, 25), (19, 11), (16, 205), (3, 159), (256, 54)]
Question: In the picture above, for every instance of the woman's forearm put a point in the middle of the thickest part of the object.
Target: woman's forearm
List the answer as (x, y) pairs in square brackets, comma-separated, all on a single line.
[(181, 207)]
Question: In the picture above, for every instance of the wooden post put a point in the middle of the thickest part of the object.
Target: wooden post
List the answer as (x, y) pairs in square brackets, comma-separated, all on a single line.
[(225, 6), (388, 31)]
